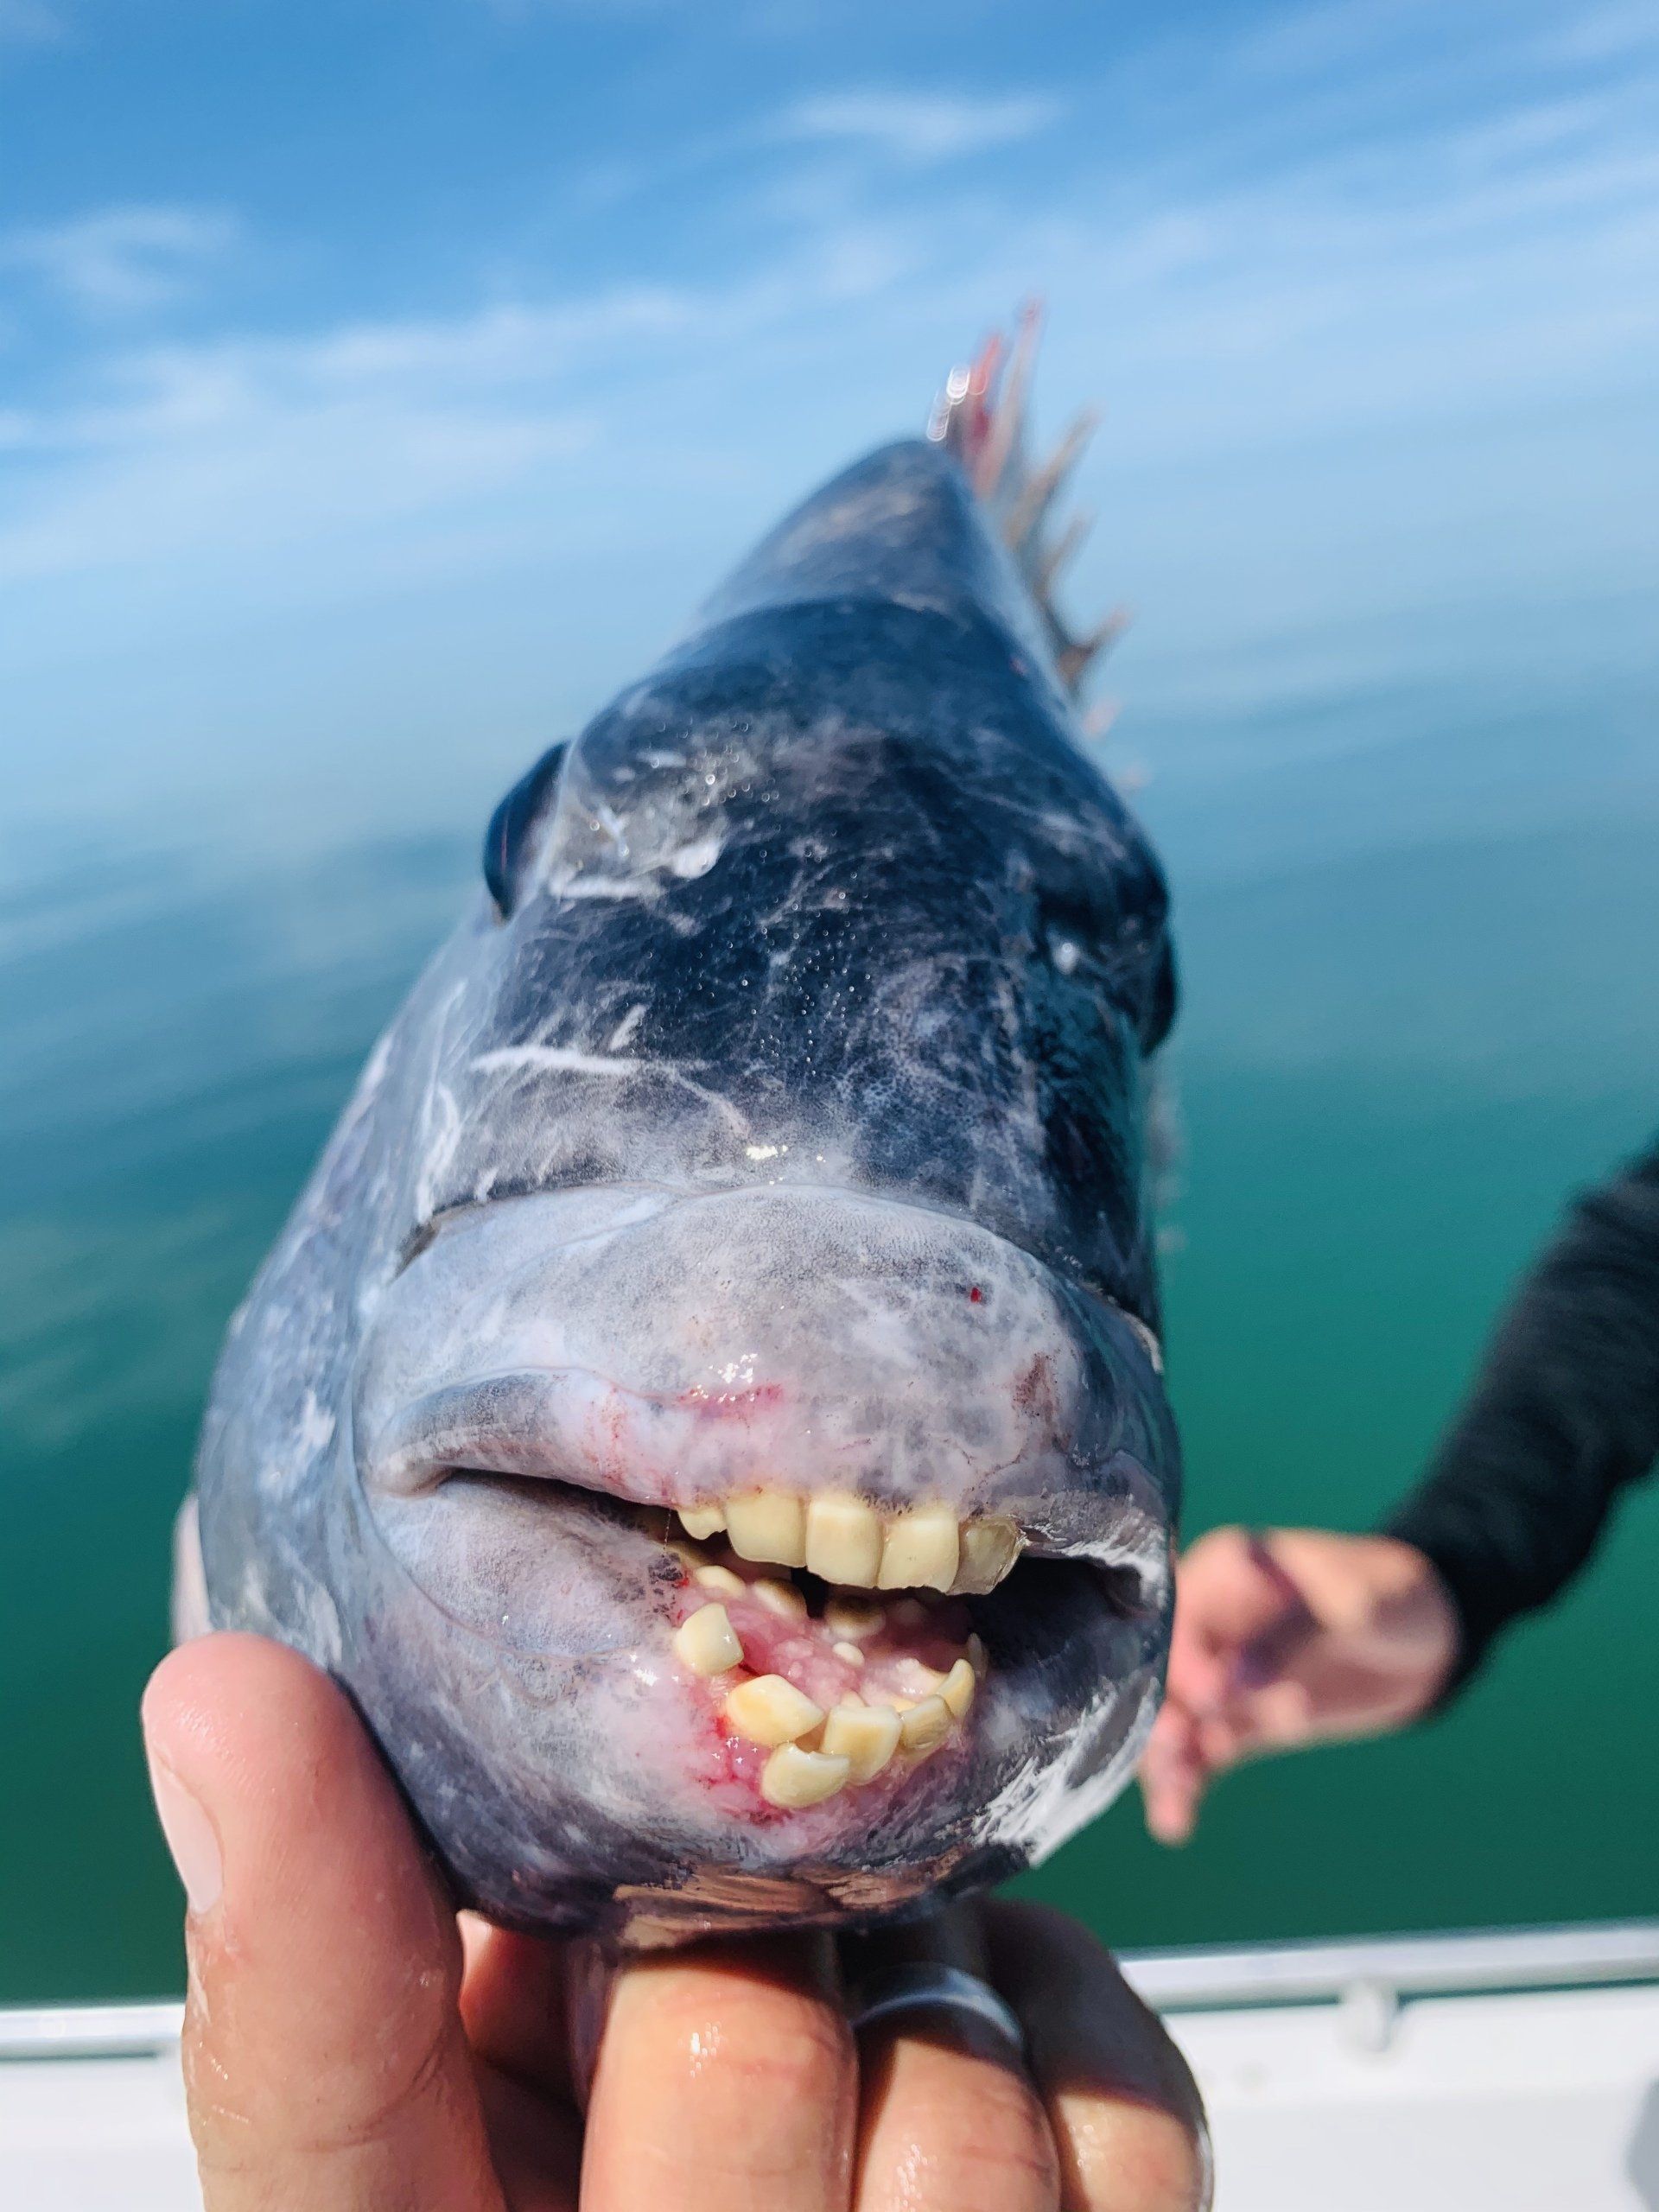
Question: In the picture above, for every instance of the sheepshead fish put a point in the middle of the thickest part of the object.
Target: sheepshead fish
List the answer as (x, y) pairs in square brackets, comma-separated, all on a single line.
[(706, 1405)]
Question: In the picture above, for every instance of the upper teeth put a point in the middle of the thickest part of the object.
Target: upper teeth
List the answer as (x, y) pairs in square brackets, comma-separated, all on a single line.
[(768, 1524), (847, 1540), (843, 1540)]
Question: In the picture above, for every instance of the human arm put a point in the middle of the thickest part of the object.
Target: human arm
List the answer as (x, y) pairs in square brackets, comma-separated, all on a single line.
[(1287, 1636), (1564, 1415)]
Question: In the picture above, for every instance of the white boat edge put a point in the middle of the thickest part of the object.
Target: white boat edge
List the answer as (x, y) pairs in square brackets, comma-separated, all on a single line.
[(1507, 2067)]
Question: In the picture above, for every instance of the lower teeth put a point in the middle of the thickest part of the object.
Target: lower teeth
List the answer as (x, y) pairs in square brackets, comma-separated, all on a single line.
[(813, 1754), (793, 1777)]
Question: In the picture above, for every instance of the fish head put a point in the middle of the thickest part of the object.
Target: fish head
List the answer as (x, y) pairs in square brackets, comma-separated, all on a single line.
[(750, 1493)]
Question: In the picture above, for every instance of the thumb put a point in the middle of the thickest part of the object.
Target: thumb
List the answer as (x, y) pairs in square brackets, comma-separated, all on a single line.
[(325, 2066)]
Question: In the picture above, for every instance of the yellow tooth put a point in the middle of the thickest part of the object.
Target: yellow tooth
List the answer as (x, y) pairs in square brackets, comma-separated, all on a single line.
[(853, 1616), (989, 1546), (793, 1777), (849, 1652), (707, 1642), (865, 1736), (769, 1710), (843, 1540), (925, 1726), (978, 1657), (702, 1521), (720, 1578), (958, 1689), (920, 1550), (780, 1598), (768, 1525)]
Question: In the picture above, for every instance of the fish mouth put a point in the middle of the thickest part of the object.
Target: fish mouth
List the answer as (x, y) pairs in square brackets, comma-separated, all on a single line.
[(838, 1490)]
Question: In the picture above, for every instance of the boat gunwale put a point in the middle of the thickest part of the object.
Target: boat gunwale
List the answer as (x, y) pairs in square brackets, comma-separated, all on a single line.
[(1201, 1978)]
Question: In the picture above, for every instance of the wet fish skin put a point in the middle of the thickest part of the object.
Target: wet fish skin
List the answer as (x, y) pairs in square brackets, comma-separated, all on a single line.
[(791, 1062)]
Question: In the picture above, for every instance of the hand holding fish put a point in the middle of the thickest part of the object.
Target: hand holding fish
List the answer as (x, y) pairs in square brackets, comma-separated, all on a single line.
[(1287, 1637), (348, 2045)]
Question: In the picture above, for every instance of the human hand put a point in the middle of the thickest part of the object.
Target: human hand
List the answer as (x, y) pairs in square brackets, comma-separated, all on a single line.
[(1285, 1638), (348, 2047)]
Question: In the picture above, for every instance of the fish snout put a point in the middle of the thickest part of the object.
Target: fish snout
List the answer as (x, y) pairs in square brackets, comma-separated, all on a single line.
[(824, 1536), (888, 1397)]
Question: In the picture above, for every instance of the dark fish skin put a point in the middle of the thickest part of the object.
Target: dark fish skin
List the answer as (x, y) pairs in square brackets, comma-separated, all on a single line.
[(776, 1119)]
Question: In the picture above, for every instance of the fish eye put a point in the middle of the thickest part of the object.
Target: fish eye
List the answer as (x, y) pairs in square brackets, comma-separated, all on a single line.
[(1069, 932), (1133, 969), (510, 826)]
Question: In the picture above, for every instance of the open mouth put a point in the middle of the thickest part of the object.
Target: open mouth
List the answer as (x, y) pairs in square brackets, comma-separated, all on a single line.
[(867, 1568), (822, 1683), (807, 1688), (820, 1647)]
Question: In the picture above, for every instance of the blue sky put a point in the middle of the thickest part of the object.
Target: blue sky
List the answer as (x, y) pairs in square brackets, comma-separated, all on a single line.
[(388, 378)]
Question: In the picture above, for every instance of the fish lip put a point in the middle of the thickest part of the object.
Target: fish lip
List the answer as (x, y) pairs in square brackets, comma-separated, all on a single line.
[(492, 1423), (539, 1420), (488, 1425), (482, 1428)]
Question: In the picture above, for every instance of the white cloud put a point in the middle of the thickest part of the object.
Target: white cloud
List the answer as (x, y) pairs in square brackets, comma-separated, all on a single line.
[(122, 259), (1455, 269), (915, 127), (244, 446)]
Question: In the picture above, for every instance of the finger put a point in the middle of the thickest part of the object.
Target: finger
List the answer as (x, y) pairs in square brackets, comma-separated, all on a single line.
[(1268, 1655), (1126, 2120), (325, 2067), (1228, 1604), (950, 2120), (1198, 1660), (1223, 1741), (514, 2006), (535, 2147), (725, 2081), (1275, 1718), (1173, 1776), (1186, 1751), (1281, 1713)]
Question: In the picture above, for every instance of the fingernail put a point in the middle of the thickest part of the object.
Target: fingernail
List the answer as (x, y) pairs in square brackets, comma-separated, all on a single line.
[(191, 1837)]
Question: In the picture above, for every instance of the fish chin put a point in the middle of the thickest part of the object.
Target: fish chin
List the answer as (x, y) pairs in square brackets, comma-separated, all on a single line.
[(751, 1558)]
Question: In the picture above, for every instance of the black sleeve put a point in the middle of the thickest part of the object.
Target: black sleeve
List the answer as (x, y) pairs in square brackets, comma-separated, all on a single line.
[(1564, 1414)]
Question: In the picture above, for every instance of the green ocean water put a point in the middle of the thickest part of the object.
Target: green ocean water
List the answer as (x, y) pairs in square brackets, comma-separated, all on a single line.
[(1418, 931)]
